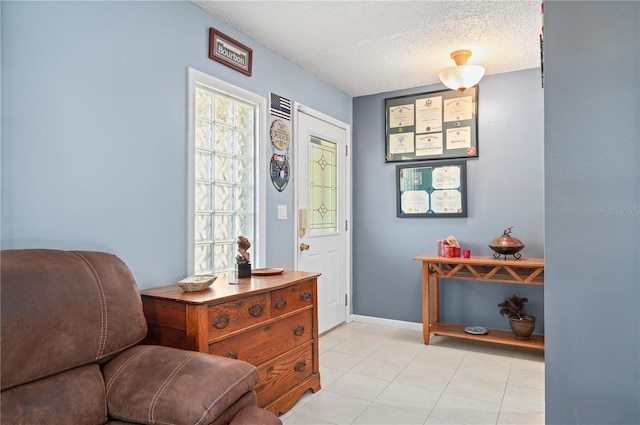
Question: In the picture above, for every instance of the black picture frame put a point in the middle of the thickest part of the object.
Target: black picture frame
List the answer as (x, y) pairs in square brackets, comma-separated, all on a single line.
[(431, 190), (429, 126)]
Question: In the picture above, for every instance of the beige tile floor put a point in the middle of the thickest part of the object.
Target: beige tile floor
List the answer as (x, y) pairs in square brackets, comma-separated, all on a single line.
[(373, 374)]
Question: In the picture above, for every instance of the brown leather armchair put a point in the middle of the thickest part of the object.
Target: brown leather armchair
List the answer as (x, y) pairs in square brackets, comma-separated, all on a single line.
[(71, 326)]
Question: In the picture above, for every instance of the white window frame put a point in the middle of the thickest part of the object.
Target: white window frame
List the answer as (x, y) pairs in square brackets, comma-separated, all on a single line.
[(258, 247)]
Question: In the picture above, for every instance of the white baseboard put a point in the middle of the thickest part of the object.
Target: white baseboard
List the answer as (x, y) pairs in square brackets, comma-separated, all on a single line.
[(387, 322)]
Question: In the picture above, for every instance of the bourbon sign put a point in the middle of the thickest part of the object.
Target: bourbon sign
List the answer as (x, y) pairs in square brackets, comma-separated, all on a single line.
[(230, 52)]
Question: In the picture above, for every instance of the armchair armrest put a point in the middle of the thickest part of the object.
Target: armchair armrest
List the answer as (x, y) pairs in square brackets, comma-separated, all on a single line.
[(150, 384)]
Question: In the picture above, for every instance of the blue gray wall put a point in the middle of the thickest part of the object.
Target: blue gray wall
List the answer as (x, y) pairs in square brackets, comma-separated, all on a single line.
[(592, 212), (94, 127), (505, 188)]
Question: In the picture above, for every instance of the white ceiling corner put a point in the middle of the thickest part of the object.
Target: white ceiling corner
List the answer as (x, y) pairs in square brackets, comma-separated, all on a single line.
[(364, 47)]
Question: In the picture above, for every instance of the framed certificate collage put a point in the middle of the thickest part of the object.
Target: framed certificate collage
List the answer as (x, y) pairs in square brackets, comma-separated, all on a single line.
[(431, 126), (437, 126), (437, 189)]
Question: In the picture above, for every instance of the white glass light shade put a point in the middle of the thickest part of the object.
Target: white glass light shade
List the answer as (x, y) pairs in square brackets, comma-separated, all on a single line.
[(461, 77)]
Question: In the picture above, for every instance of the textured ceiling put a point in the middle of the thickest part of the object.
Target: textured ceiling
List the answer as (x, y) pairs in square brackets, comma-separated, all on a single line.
[(366, 47)]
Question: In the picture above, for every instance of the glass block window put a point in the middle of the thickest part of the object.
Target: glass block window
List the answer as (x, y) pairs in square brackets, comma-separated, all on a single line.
[(224, 195), (323, 174)]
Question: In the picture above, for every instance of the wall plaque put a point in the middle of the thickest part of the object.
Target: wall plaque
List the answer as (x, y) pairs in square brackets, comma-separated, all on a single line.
[(230, 52)]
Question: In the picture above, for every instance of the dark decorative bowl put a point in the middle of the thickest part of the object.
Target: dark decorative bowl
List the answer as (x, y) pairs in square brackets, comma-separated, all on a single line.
[(506, 245)]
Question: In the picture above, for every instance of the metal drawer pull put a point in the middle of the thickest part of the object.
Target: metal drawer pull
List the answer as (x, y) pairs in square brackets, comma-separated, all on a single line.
[(256, 310), (221, 322), (305, 296), (232, 355), (280, 304), (300, 366), (298, 330), (270, 369)]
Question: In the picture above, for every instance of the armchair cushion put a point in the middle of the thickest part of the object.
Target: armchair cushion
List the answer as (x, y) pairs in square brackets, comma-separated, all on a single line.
[(62, 310), (75, 396), (253, 415), (151, 384)]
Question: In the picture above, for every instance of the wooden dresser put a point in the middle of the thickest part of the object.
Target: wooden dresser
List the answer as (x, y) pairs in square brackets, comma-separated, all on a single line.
[(269, 321)]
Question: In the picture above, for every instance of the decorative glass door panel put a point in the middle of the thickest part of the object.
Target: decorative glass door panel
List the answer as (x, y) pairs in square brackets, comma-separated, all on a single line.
[(323, 172)]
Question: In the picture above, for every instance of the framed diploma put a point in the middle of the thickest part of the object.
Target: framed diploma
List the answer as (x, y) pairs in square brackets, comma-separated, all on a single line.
[(438, 189), (432, 126)]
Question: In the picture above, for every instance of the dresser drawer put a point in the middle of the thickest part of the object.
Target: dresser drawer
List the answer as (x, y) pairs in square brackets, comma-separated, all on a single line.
[(292, 298), (266, 342), (283, 373), (226, 318)]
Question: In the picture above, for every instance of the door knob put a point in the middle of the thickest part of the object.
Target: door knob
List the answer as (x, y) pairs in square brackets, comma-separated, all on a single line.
[(304, 247)]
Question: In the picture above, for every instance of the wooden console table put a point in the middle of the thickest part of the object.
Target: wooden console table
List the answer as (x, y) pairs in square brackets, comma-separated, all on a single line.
[(524, 271), (269, 321)]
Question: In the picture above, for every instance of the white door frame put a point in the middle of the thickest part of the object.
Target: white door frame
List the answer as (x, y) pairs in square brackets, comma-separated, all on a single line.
[(348, 182)]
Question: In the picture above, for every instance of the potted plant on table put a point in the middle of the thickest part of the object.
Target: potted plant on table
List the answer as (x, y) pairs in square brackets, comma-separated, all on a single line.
[(520, 322)]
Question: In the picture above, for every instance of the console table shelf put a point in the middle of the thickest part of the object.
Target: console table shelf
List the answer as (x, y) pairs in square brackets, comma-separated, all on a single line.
[(524, 271), (494, 335)]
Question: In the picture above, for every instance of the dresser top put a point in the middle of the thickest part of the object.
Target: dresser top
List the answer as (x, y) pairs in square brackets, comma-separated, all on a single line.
[(221, 288)]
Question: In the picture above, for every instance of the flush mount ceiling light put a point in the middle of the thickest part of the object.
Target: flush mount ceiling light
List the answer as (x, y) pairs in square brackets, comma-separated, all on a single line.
[(462, 76)]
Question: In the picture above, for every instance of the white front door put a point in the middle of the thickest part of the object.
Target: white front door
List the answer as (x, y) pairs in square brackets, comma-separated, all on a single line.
[(322, 195)]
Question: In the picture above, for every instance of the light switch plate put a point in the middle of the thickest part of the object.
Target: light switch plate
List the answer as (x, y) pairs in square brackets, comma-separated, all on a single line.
[(282, 212)]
